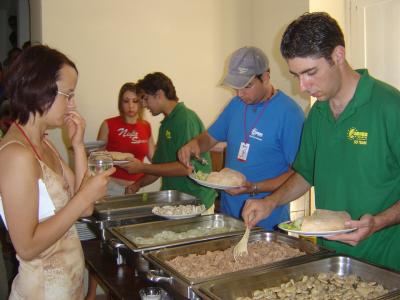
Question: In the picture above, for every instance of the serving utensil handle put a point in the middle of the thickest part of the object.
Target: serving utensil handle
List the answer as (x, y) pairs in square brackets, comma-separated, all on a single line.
[(154, 276)]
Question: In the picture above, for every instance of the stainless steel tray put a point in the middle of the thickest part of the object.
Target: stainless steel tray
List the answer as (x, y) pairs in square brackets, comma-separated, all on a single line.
[(139, 205), (184, 284), (233, 287), (125, 233)]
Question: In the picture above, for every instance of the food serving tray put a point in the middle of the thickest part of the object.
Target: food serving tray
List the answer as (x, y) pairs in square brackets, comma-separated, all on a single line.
[(185, 284), (128, 233), (132, 209), (234, 287), (139, 205)]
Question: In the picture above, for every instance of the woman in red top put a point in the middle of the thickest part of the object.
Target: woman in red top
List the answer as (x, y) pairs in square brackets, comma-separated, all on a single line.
[(128, 133)]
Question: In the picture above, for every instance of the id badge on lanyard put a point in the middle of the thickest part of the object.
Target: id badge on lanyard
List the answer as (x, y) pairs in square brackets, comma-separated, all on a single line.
[(243, 151), (245, 145)]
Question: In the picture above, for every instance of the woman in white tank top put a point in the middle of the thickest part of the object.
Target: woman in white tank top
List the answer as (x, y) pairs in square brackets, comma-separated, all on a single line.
[(41, 198)]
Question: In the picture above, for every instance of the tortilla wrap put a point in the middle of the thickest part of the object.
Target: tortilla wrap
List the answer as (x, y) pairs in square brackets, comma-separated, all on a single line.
[(325, 220)]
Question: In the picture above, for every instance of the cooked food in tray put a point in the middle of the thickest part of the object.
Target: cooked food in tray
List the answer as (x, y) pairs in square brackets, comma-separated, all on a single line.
[(222, 261), (178, 210), (166, 236), (322, 286)]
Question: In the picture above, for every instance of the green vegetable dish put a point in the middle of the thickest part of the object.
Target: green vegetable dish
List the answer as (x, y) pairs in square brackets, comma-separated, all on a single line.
[(295, 225), (201, 175)]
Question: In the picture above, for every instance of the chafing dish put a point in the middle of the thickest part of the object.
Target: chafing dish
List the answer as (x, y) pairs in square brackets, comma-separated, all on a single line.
[(126, 234), (233, 287), (132, 209), (184, 285)]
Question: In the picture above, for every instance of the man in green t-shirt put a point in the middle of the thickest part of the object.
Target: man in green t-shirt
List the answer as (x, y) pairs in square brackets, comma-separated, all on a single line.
[(350, 147), (179, 126)]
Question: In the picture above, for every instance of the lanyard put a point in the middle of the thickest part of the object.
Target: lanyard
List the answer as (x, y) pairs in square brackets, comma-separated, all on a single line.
[(28, 140), (247, 134)]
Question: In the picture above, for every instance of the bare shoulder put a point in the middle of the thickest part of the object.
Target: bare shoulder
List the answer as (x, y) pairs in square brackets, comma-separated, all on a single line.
[(16, 157)]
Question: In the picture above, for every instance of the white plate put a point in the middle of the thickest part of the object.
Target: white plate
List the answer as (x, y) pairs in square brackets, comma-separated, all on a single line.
[(177, 217), (120, 162), (213, 185), (94, 145), (318, 233)]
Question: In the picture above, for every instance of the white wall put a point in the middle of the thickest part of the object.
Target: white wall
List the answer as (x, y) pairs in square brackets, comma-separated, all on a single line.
[(270, 20), (117, 41), (112, 42)]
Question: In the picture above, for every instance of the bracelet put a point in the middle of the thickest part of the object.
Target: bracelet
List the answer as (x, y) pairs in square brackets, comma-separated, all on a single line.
[(255, 190)]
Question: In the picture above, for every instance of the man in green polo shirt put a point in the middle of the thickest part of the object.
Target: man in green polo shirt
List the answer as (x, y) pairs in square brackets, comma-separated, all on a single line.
[(179, 126), (350, 147)]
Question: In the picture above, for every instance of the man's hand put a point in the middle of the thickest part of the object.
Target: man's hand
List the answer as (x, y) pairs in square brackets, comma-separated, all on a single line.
[(247, 188), (187, 151), (133, 166), (365, 227), (255, 210), (132, 188)]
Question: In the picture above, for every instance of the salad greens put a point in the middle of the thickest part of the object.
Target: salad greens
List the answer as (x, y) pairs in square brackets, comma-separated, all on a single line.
[(201, 175), (295, 225)]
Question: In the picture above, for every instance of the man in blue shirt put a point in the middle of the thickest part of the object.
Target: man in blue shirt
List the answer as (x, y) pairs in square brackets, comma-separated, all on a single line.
[(262, 128)]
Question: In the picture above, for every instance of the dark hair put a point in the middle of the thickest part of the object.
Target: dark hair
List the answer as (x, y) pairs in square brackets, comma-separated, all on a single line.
[(312, 34), (153, 82), (30, 82), (131, 87)]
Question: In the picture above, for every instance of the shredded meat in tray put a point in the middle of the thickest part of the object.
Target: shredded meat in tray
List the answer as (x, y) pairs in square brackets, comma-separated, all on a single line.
[(221, 261)]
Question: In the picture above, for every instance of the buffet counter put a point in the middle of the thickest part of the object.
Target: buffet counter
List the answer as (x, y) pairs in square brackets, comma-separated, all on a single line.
[(118, 282)]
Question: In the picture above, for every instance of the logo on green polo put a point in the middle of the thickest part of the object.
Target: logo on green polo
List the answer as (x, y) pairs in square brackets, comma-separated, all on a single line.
[(357, 137), (168, 134)]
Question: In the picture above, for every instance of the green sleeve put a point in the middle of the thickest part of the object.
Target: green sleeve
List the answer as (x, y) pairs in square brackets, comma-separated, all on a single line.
[(304, 163)]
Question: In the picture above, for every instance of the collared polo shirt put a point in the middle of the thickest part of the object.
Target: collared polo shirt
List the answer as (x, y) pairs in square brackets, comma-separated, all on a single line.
[(354, 163), (176, 129)]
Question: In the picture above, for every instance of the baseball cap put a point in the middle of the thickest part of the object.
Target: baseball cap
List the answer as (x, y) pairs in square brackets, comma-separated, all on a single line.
[(245, 63)]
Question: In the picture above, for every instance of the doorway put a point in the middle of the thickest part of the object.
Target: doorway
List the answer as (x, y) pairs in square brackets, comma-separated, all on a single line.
[(374, 28), (14, 28)]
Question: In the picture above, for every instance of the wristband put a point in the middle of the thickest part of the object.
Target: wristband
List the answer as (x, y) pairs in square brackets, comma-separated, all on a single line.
[(254, 190)]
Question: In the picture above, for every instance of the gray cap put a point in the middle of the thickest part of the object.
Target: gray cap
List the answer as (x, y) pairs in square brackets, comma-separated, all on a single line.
[(245, 63)]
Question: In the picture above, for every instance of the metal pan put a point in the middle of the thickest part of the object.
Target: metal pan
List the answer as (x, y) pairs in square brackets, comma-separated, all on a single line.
[(132, 209), (184, 284), (234, 287), (126, 234), (222, 225), (139, 204)]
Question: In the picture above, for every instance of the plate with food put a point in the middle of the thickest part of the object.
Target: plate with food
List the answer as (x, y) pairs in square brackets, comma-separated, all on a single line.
[(175, 212), (321, 223), (120, 162), (223, 180), (121, 156)]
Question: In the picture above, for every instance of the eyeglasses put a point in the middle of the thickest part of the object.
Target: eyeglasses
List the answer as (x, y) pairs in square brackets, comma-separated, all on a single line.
[(69, 96)]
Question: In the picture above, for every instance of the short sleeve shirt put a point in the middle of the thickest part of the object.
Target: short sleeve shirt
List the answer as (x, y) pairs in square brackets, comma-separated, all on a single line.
[(272, 129), (354, 163), (128, 138), (176, 129)]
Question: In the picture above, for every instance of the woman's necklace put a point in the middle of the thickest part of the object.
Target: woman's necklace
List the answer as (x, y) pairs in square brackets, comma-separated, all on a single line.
[(27, 139)]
